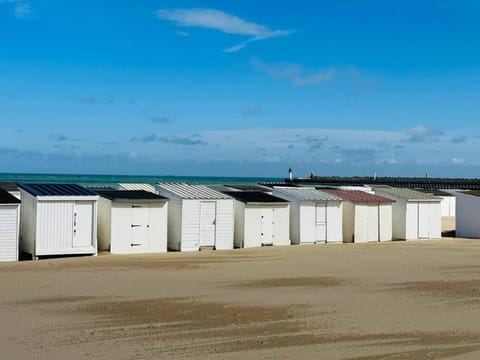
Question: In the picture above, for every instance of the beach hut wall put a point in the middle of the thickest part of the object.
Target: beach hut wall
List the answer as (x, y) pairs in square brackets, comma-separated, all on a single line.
[(467, 222), (9, 226), (132, 222), (58, 219), (315, 216), (198, 217)]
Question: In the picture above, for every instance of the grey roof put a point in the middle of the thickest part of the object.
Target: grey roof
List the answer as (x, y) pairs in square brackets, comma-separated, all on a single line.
[(146, 187), (404, 193), (255, 197), (7, 198), (305, 194), (56, 190), (131, 195), (192, 192)]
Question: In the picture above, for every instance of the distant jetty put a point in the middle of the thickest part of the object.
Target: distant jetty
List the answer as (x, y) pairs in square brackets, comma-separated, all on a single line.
[(401, 182)]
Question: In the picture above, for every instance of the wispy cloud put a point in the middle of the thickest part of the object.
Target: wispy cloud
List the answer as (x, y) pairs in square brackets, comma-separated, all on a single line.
[(57, 137), (422, 133), (171, 139), (92, 100), (294, 73), (459, 139), (159, 119), (254, 110), (218, 20), (182, 33), (21, 9)]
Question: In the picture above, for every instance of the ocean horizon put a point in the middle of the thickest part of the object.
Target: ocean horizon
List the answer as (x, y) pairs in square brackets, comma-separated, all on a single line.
[(92, 179)]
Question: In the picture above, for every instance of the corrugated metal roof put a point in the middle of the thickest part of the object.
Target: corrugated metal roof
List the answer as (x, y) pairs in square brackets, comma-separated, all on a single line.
[(186, 191), (435, 192), (56, 190), (146, 187), (130, 195), (306, 194), (404, 193), (7, 198), (358, 196), (254, 197), (247, 187)]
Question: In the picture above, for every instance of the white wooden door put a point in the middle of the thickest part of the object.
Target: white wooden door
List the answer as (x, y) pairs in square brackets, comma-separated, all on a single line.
[(267, 222), (320, 222), (208, 211), (8, 233), (140, 227), (83, 224), (423, 220), (372, 223)]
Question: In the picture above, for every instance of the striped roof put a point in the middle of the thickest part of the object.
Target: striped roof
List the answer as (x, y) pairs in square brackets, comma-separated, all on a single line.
[(192, 192), (404, 193), (358, 196), (146, 187), (305, 193)]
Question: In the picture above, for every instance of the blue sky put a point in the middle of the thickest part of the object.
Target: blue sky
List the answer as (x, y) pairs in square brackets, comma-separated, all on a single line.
[(240, 88)]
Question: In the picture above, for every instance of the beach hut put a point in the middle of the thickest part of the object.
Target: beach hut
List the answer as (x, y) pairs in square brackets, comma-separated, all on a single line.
[(132, 222), (468, 214), (366, 217), (198, 217), (58, 219), (260, 219), (134, 186), (448, 202), (9, 226), (415, 215), (315, 216)]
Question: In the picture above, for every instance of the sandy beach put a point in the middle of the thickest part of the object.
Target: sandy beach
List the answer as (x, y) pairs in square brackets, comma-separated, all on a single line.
[(397, 300)]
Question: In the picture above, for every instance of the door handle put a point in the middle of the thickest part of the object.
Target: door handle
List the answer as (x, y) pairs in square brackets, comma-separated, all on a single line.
[(135, 225)]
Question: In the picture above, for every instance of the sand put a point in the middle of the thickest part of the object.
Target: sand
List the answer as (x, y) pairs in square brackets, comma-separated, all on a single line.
[(396, 300)]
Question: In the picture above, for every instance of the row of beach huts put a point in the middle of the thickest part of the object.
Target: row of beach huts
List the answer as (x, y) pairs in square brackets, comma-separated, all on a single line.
[(69, 219)]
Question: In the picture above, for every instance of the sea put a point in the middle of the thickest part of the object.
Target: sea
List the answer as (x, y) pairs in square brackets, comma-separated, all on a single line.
[(109, 180)]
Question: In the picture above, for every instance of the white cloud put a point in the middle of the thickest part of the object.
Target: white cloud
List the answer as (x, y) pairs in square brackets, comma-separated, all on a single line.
[(458, 161), (21, 9), (294, 73), (423, 133), (218, 20)]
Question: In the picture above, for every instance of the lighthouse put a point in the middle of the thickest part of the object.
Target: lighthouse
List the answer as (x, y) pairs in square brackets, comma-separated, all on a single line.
[(290, 174)]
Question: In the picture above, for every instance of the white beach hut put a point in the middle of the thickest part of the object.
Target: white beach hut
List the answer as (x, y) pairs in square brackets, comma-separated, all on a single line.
[(132, 222), (9, 226), (468, 214), (198, 217), (260, 219), (416, 215), (366, 217), (58, 219), (448, 202), (315, 216)]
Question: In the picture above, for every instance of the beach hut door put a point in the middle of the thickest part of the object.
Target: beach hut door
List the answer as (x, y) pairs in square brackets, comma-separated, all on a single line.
[(268, 226), (423, 220), (320, 222), (140, 226), (82, 223), (208, 210)]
